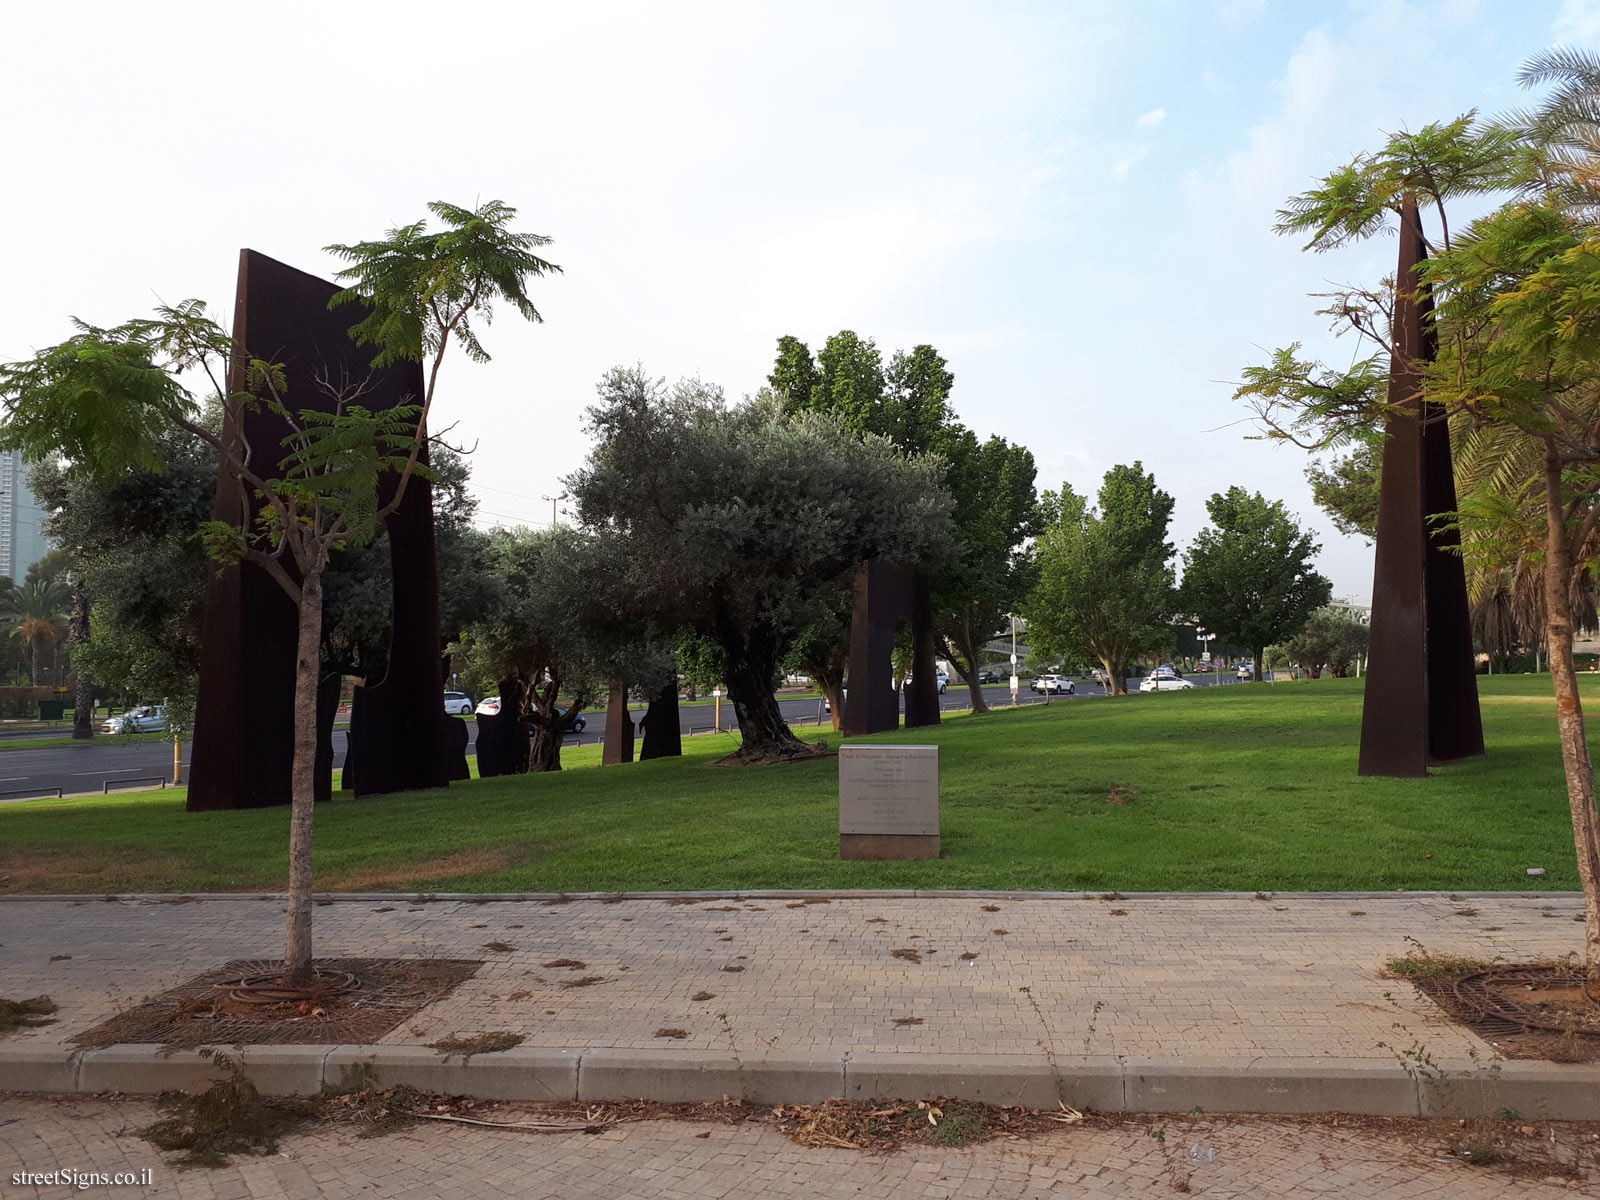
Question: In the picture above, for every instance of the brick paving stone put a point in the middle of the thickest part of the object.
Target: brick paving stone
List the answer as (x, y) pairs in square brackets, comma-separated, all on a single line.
[(1203, 976), (1253, 1157)]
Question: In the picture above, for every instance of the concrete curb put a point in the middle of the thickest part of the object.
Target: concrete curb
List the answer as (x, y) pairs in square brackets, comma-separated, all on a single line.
[(1535, 1090), (761, 894)]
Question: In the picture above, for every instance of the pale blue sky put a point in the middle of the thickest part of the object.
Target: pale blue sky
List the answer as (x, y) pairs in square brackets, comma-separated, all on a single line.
[(1073, 202)]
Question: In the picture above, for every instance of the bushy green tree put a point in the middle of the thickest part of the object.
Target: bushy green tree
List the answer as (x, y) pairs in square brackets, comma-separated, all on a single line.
[(737, 520), (1104, 587), (992, 482), (1248, 575), (1331, 640)]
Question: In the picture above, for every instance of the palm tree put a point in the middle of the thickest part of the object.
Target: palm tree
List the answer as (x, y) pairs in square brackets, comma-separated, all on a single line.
[(36, 611)]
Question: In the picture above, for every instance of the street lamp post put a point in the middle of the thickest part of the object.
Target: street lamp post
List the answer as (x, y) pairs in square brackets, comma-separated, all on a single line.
[(553, 499), (1013, 660)]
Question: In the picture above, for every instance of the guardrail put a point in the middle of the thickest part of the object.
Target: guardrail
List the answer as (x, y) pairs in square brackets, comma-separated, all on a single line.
[(32, 793), (105, 786)]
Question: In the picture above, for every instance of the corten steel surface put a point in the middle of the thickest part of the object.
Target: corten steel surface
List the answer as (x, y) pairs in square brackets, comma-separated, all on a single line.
[(884, 595), (663, 738), (1421, 700), (618, 746), (244, 724), (400, 744), (922, 693), (327, 709)]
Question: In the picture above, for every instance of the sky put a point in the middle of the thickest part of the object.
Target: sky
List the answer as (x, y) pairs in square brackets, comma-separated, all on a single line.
[(1073, 202)]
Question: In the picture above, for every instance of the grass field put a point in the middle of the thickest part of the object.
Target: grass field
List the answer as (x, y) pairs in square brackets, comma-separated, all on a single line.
[(1232, 788)]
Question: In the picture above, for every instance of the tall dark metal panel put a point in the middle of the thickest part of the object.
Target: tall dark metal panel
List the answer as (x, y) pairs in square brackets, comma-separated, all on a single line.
[(617, 747), (244, 725), (663, 736), (884, 595), (1421, 700)]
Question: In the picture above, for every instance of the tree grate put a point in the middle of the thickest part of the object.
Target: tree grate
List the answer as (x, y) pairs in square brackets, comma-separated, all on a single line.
[(205, 1012)]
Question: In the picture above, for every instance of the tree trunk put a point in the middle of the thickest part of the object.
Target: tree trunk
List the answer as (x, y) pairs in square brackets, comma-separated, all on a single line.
[(1115, 684), (545, 753), (1261, 656), (303, 787), (1569, 717), (764, 732), (546, 729), (83, 678), (834, 690), (963, 656)]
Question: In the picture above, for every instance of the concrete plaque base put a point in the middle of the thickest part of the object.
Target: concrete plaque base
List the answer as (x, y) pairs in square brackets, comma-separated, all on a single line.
[(888, 845)]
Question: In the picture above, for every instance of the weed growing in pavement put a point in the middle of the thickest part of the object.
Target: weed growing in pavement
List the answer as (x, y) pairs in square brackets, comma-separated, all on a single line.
[(480, 1043), (229, 1117), (26, 1014), (1419, 962)]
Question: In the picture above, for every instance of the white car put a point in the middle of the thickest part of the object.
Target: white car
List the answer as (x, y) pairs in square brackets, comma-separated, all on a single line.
[(1165, 683), (1045, 684), (457, 704), (488, 707), (149, 718)]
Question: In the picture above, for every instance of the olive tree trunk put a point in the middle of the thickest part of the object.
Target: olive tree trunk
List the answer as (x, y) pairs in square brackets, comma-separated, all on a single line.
[(1569, 716), (764, 732)]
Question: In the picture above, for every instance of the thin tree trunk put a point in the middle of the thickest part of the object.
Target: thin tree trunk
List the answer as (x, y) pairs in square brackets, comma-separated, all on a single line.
[(1261, 657), (83, 678), (303, 795), (1569, 716), (963, 656)]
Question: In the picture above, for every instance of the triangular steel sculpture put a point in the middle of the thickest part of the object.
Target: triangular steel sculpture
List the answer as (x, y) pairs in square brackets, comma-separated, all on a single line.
[(1421, 703), (244, 724)]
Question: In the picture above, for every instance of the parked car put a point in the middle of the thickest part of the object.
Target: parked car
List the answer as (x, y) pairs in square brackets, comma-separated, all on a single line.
[(944, 682), (1046, 684), (1165, 683), (149, 718), (1245, 671), (489, 706), (457, 704), (573, 725), (988, 675)]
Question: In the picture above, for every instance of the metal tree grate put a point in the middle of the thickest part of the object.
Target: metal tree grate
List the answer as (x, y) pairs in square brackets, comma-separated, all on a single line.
[(205, 1012)]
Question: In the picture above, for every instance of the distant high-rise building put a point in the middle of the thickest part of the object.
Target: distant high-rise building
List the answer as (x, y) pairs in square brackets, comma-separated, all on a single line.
[(21, 541)]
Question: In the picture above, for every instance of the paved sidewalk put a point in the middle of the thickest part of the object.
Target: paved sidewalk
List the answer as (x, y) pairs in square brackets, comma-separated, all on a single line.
[(671, 1160), (1122, 995)]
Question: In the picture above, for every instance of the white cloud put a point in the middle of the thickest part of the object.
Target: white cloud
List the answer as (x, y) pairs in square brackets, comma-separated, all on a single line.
[(1578, 21), (1151, 119), (1123, 165)]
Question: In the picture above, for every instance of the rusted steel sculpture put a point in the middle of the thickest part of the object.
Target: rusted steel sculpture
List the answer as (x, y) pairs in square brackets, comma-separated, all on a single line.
[(618, 747), (1421, 701), (885, 595), (663, 736), (244, 722)]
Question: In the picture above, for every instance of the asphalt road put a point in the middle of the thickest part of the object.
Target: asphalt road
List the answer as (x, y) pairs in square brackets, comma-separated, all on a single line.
[(78, 767)]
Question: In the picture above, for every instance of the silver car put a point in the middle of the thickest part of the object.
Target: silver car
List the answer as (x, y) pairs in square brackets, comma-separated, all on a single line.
[(148, 718)]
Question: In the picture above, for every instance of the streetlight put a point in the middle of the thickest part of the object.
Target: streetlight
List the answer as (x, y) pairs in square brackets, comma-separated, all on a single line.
[(1013, 660), (553, 499)]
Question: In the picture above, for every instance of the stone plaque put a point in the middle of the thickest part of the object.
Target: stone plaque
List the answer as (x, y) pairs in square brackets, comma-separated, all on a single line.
[(889, 801)]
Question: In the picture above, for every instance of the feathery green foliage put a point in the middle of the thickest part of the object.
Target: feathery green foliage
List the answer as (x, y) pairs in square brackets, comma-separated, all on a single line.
[(423, 288)]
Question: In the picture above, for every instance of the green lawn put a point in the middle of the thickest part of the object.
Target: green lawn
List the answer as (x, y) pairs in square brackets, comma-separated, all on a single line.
[(1238, 788)]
